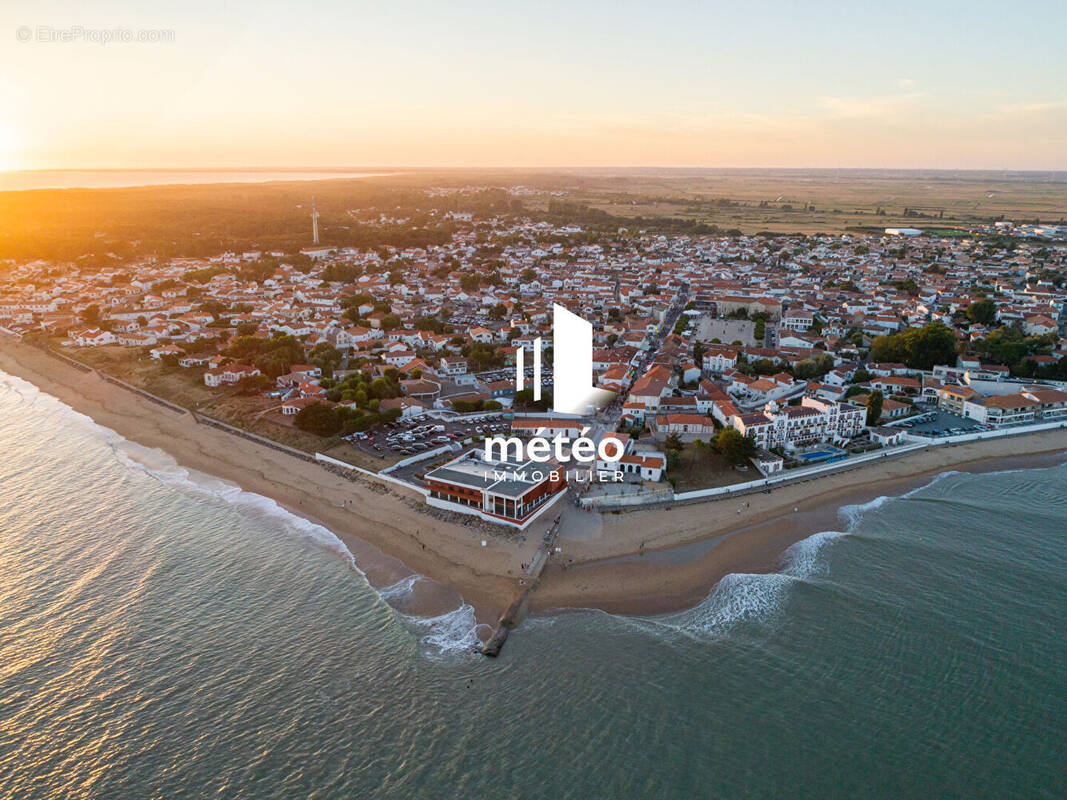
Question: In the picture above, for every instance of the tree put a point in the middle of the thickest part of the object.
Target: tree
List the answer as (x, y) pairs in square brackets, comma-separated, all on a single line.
[(91, 315), (909, 286), (273, 357), (733, 446), (524, 400), (673, 442), (874, 407), (919, 348), (382, 388), (1008, 345), (813, 367), (982, 311), (326, 357), (253, 384), (319, 419)]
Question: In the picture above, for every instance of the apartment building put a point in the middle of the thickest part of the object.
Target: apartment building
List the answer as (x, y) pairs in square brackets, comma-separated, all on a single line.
[(812, 421)]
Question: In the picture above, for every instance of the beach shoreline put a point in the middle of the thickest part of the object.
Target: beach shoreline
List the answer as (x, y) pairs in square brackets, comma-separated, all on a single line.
[(635, 562)]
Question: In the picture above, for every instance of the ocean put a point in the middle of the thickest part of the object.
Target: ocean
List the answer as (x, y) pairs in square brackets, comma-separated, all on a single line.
[(164, 634), (18, 180)]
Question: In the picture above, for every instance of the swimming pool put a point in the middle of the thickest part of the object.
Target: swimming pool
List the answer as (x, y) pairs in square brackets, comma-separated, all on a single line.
[(818, 455)]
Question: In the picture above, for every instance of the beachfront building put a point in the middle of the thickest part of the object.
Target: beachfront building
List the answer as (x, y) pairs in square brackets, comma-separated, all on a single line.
[(1051, 403), (953, 398), (506, 491), (1001, 409), (644, 465), (691, 425), (812, 421), (92, 337), (229, 376), (1039, 404)]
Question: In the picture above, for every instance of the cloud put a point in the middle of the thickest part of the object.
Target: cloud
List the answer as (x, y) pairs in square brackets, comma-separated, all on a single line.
[(854, 107), (905, 83), (1033, 108)]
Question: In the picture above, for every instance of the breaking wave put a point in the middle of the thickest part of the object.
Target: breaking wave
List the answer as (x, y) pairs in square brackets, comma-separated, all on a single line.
[(744, 597), (453, 631)]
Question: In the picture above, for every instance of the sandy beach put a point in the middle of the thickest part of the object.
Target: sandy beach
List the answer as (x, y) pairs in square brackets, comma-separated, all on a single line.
[(633, 562)]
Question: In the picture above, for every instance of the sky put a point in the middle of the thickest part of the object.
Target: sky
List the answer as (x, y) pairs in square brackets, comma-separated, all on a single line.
[(936, 84)]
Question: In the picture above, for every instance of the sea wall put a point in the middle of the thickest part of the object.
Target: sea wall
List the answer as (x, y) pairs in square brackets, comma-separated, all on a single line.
[(914, 444)]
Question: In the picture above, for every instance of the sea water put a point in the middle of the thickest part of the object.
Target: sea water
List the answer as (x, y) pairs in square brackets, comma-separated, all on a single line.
[(164, 634)]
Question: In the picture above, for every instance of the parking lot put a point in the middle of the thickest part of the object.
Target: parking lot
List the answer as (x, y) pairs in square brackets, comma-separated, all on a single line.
[(410, 437), (942, 423), (508, 374)]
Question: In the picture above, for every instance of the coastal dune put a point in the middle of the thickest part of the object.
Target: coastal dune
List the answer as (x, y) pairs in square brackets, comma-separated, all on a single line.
[(646, 561)]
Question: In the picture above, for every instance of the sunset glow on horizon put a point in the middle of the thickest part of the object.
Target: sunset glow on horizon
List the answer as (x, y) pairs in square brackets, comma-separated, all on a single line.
[(961, 86)]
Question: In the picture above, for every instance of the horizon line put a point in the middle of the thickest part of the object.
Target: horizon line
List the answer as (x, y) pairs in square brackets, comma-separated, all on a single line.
[(454, 167)]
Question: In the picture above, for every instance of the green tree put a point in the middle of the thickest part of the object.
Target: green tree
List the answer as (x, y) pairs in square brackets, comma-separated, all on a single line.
[(91, 315), (326, 357), (874, 407), (319, 419), (919, 348), (733, 446), (982, 311)]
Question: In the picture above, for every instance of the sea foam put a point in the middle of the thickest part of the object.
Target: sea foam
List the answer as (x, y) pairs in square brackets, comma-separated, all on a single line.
[(453, 631), (746, 597)]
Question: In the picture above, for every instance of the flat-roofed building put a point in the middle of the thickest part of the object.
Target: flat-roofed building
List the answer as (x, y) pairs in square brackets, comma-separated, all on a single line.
[(507, 491)]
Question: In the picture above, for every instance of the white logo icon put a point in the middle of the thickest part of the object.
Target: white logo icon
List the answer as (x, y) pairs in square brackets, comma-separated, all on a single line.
[(572, 341)]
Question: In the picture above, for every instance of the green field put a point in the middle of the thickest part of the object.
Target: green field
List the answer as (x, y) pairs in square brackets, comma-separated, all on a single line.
[(105, 226)]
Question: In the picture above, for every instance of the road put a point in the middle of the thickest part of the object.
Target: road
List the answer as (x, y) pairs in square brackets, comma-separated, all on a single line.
[(610, 415)]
